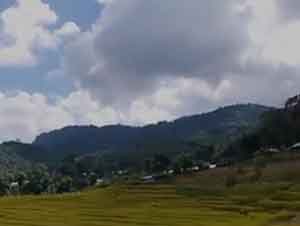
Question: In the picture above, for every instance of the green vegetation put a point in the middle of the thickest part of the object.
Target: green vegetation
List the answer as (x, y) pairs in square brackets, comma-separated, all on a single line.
[(129, 146), (279, 129), (199, 199), (216, 169)]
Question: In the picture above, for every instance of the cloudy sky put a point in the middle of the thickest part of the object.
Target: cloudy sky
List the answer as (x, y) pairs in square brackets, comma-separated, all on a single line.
[(136, 61)]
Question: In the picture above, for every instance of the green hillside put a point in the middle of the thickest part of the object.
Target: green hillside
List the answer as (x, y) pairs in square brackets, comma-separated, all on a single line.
[(74, 157), (219, 126), (11, 160), (200, 199), (279, 129), (129, 147)]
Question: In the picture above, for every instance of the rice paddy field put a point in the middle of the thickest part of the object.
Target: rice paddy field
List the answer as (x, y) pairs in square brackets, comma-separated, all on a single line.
[(196, 200)]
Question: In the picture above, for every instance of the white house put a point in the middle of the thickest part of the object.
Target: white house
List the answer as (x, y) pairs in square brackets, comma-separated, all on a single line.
[(212, 166), (295, 147)]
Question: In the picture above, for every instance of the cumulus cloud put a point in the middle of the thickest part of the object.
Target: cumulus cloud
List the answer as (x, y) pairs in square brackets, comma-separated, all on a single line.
[(24, 115), (289, 9), (281, 48), (136, 43), (155, 60), (146, 61), (68, 30), (101, 2), (25, 29), (275, 36)]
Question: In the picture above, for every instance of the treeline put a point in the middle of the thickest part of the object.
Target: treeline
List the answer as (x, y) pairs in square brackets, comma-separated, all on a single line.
[(70, 176), (75, 173), (280, 129)]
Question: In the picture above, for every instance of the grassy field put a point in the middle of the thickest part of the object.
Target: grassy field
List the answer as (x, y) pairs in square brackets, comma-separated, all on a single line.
[(196, 200), (127, 205)]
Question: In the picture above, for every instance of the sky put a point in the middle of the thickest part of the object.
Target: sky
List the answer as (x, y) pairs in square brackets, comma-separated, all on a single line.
[(134, 62)]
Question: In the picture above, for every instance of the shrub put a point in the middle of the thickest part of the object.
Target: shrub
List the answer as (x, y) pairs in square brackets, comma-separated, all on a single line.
[(231, 179)]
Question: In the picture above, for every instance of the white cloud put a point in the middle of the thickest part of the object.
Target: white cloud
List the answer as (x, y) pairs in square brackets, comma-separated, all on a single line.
[(289, 9), (281, 48), (158, 60), (136, 44), (105, 1), (68, 30), (85, 110), (275, 30), (26, 26), (198, 56), (24, 115), (174, 98)]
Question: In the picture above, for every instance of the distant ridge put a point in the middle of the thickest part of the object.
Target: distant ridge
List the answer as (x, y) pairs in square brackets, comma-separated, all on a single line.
[(226, 122)]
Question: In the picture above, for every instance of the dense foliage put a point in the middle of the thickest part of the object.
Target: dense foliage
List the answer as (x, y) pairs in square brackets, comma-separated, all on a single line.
[(132, 144), (76, 157), (279, 129)]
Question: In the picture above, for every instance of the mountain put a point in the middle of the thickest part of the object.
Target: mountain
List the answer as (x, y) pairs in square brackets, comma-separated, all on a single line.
[(222, 125), (11, 159), (279, 129), (27, 152), (16, 156)]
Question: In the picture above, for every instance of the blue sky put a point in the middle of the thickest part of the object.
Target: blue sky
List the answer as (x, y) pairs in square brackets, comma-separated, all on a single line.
[(82, 12), (34, 79), (81, 62)]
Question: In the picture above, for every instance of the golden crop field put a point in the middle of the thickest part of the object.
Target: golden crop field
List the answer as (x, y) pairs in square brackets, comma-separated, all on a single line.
[(144, 205), (196, 200)]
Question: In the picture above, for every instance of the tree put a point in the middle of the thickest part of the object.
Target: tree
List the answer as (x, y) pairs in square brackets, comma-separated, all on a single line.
[(38, 180), (92, 178), (68, 166), (4, 186), (204, 152), (21, 178), (160, 163), (64, 184), (99, 170), (148, 165), (183, 162), (87, 164)]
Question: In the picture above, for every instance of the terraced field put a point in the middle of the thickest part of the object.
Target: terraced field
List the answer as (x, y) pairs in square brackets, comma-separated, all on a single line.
[(202, 199), (145, 205)]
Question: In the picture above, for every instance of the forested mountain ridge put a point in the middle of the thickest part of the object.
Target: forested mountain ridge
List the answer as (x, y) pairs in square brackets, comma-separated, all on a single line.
[(72, 157), (223, 123), (279, 129)]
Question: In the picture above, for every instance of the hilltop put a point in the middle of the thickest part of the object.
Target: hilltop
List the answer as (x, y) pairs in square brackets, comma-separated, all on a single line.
[(205, 198), (77, 150), (222, 125)]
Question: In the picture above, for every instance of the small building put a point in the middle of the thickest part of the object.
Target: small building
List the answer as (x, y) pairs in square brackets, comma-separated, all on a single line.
[(295, 147), (196, 168), (14, 184), (14, 187), (171, 172), (212, 166), (292, 102), (148, 179), (99, 182), (271, 150)]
